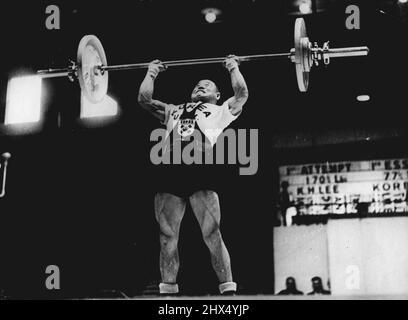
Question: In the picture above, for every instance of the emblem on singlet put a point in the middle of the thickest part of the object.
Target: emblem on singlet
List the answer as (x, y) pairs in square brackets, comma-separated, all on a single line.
[(188, 118), (187, 123)]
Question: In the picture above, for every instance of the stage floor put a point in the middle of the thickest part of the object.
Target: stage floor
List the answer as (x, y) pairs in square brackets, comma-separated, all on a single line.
[(272, 297)]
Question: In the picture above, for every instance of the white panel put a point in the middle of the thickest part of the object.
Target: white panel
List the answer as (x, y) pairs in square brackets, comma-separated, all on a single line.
[(345, 257), (300, 252), (385, 255), (373, 251)]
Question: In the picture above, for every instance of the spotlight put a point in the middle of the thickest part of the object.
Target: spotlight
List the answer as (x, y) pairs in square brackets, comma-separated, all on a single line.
[(402, 1), (363, 98), (210, 17), (211, 14), (23, 102), (305, 7)]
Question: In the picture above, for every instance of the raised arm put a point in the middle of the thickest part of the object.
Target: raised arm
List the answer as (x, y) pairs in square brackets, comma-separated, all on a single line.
[(238, 85), (145, 98)]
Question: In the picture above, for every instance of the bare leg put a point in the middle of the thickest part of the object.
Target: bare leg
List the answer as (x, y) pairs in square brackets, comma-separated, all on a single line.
[(206, 208), (169, 212)]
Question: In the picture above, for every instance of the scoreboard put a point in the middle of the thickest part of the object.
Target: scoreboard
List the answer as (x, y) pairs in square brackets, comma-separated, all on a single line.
[(339, 187)]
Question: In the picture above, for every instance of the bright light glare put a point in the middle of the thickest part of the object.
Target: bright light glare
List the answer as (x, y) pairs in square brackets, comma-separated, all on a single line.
[(210, 17), (363, 98), (305, 8), (23, 102)]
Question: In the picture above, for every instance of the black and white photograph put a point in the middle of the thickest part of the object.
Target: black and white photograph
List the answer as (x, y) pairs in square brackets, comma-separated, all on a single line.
[(204, 154)]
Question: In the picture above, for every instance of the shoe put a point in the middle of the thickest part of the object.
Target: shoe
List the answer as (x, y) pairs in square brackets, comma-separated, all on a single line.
[(229, 293)]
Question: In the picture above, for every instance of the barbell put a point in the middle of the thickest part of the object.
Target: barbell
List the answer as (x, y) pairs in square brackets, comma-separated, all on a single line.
[(91, 67)]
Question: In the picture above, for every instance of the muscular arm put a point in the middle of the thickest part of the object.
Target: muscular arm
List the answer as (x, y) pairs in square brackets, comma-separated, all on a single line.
[(240, 91), (145, 98)]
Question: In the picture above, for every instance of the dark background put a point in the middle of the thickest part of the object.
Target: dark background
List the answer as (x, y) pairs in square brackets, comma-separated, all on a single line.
[(82, 198)]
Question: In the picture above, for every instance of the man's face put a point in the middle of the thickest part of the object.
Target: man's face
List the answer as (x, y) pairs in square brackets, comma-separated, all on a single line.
[(205, 91)]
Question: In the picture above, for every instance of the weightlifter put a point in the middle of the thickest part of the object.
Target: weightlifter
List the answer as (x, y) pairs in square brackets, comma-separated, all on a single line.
[(194, 183)]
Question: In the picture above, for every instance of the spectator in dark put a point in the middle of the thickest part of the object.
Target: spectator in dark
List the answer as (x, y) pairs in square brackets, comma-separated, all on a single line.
[(290, 288), (362, 209), (285, 202), (317, 286)]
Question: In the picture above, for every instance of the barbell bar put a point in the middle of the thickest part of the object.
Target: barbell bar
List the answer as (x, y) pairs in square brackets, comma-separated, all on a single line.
[(91, 67), (189, 62)]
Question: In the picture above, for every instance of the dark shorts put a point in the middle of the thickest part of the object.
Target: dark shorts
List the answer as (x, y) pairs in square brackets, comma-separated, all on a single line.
[(183, 180)]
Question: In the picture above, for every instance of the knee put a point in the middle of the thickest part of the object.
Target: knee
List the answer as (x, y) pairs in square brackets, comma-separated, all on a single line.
[(168, 233), (212, 236), (168, 241)]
